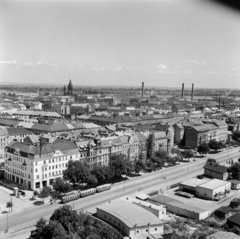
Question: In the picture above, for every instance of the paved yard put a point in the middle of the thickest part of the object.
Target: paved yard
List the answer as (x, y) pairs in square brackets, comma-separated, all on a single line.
[(19, 204), (201, 203)]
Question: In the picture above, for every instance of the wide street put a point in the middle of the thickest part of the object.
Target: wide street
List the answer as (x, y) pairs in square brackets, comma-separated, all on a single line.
[(27, 218)]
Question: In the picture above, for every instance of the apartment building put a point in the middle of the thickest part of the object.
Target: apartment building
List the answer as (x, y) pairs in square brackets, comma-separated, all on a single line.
[(37, 164)]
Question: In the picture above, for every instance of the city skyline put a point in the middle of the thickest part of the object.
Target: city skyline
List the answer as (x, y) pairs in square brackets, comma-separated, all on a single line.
[(120, 43)]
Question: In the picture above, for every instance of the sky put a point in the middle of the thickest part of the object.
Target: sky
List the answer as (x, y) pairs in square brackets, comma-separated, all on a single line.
[(120, 43)]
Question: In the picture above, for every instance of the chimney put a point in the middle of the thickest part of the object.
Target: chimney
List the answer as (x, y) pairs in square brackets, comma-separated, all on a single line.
[(182, 90), (142, 88), (192, 92), (219, 100)]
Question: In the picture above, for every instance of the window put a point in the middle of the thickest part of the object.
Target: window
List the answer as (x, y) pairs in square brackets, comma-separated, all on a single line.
[(146, 230), (37, 176), (36, 170), (155, 229)]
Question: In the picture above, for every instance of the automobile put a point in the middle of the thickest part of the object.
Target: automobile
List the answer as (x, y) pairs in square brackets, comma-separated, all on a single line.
[(194, 160)]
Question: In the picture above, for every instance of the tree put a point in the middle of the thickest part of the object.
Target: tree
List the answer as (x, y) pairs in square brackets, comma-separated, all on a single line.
[(102, 173), (162, 154), (61, 186), (234, 171), (150, 146), (91, 180), (151, 165), (119, 165), (9, 205), (188, 154), (236, 136), (139, 165), (203, 149), (50, 231), (76, 172), (215, 145), (45, 192), (41, 223)]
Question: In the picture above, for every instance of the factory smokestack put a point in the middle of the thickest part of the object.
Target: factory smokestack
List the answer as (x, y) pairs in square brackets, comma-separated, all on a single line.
[(142, 88), (192, 92), (182, 90), (219, 100)]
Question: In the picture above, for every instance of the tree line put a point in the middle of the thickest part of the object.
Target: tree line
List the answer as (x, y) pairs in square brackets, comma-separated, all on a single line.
[(68, 224)]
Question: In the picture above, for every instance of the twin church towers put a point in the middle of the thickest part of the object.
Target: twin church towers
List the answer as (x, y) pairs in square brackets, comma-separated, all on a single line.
[(69, 89)]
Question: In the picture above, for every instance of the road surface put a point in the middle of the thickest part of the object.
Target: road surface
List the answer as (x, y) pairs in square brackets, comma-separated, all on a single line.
[(27, 218)]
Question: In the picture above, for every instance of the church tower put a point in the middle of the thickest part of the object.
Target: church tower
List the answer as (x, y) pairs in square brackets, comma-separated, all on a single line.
[(64, 90), (70, 88)]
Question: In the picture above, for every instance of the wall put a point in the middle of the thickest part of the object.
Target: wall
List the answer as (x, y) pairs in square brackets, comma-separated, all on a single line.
[(188, 213), (210, 193), (132, 231)]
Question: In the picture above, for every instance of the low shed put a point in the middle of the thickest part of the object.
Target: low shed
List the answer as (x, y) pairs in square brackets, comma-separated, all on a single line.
[(235, 184), (223, 212), (183, 209)]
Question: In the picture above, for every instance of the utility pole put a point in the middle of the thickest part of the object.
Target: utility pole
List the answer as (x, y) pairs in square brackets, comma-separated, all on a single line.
[(11, 203), (7, 223)]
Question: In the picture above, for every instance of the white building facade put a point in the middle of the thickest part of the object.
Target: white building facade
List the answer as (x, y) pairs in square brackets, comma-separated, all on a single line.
[(25, 164)]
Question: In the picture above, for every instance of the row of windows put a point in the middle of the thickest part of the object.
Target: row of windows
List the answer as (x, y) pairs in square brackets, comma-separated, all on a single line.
[(52, 167), (16, 165), (51, 174)]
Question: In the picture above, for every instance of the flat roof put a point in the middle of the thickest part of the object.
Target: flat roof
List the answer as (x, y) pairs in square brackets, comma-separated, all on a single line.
[(129, 213), (142, 196), (214, 183), (194, 182), (143, 203), (187, 207)]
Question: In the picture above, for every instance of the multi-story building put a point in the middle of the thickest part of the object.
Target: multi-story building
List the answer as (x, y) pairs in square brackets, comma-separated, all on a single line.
[(37, 164), (197, 135), (9, 134)]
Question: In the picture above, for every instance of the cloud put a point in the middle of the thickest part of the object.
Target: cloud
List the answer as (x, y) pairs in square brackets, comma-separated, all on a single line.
[(211, 73), (161, 67), (233, 69), (199, 63), (118, 68), (9, 62), (28, 64), (39, 63)]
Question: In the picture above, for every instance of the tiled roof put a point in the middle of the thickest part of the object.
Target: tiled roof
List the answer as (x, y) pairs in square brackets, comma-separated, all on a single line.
[(235, 219), (62, 145), (18, 131), (215, 167), (200, 128)]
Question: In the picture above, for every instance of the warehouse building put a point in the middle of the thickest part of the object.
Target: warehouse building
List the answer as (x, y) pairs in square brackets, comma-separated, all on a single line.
[(191, 184), (213, 189), (131, 219)]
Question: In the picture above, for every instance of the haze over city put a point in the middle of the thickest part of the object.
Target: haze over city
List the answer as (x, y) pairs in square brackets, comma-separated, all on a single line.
[(120, 43)]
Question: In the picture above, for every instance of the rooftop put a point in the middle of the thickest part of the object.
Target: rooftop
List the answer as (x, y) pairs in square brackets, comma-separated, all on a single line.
[(223, 235), (214, 183), (215, 167), (130, 214), (194, 182)]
